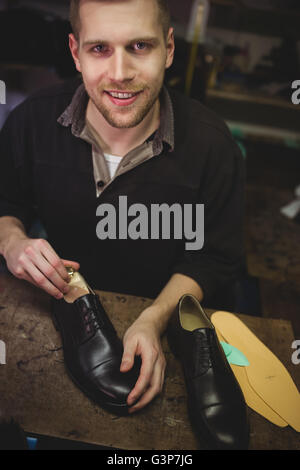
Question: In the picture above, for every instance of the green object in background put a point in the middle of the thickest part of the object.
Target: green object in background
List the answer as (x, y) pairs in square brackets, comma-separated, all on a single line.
[(292, 143), (234, 355), (243, 148), (239, 134)]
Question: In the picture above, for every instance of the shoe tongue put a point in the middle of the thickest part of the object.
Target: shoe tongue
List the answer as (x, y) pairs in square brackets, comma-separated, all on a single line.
[(204, 337), (203, 333)]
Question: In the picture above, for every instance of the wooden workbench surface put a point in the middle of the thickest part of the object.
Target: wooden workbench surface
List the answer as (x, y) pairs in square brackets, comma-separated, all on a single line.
[(36, 391)]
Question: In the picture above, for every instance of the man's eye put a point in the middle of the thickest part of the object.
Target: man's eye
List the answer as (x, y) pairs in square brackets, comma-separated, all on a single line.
[(100, 49), (141, 46)]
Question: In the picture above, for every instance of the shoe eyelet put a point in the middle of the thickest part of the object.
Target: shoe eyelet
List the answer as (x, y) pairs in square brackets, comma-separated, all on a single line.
[(84, 308)]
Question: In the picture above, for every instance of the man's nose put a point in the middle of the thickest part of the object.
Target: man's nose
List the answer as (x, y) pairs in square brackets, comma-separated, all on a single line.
[(121, 67)]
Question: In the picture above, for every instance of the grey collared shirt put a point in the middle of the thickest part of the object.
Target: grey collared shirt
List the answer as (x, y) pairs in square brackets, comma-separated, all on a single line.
[(75, 116)]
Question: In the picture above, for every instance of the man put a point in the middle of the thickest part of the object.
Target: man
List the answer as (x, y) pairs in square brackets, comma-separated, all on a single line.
[(170, 150)]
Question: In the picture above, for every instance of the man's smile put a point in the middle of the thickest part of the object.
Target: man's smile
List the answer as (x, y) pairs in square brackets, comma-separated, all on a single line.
[(122, 98)]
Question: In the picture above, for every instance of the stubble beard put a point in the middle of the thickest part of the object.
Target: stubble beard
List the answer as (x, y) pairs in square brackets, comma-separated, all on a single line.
[(115, 119)]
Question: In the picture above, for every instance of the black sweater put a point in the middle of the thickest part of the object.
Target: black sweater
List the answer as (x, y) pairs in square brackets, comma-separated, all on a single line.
[(47, 172)]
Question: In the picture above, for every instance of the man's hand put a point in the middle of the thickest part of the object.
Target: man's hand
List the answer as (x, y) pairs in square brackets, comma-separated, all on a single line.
[(143, 339), (35, 261)]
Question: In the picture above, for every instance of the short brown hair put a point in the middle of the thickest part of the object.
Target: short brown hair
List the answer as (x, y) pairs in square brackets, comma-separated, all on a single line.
[(163, 6)]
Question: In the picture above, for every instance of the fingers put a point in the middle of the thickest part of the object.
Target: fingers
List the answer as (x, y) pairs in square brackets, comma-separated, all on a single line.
[(39, 264), (150, 381), (54, 260), (142, 339), (28, 278), (128, 356), (54, 292), (73, 264), (50, 268), (31, 273), (155, 387), (143, 380)]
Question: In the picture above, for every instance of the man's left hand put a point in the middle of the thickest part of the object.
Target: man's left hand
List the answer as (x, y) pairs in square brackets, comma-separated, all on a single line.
[(143, 339)]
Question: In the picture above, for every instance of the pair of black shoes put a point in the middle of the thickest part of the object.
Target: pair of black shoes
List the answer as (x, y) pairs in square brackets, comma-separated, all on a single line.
[(216, 404), (93, 352)]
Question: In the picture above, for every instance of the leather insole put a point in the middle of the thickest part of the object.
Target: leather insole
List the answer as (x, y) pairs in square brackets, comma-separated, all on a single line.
[(266, 374), (252, 399)]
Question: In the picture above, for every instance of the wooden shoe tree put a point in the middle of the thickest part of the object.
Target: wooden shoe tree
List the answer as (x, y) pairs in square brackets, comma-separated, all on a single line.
[(253, 400), (267, 376), (78, 286)]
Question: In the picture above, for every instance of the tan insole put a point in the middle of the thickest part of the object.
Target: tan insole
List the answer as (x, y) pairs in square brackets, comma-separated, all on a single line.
[(190, 322), (78, 287), (191, 317), (266, 374), (253, 400)]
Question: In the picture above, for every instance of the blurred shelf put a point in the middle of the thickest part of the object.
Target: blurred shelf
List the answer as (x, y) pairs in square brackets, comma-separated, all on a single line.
[(236, 16), (253, 98), (257, 117), (265, 133)]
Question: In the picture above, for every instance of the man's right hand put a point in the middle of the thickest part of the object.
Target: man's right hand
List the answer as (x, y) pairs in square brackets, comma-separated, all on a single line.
[(35, 261)]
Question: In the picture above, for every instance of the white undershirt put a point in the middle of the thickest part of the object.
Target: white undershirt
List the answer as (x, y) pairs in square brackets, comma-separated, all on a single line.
[(113, 163)]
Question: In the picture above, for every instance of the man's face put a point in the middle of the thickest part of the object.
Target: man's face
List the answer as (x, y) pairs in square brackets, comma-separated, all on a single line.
[(122, 54)]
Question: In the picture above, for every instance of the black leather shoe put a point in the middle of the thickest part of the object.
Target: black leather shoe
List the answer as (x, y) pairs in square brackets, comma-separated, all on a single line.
[(93, 352), (216, 404)]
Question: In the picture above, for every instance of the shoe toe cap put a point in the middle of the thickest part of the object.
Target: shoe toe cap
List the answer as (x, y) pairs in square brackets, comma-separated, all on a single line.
[(115, 384), (227, 426)]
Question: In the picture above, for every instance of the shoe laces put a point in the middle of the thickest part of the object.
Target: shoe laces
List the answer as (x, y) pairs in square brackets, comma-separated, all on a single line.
[(90, 321), (94, 316), (202, 353)]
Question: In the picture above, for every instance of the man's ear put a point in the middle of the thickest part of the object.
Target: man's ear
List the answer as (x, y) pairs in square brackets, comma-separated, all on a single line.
[(170, 48), (74, 46)]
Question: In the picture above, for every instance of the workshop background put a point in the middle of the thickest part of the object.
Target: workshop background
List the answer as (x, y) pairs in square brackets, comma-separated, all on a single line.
[(238, 57)]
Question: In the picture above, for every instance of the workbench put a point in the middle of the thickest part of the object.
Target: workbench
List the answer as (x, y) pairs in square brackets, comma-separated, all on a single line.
[(36, 391)]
